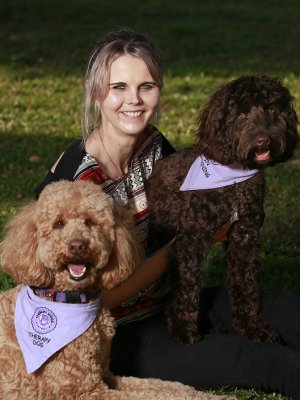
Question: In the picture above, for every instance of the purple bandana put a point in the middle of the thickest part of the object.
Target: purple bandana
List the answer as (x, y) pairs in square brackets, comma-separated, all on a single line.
[(44, 327), (208, 174)]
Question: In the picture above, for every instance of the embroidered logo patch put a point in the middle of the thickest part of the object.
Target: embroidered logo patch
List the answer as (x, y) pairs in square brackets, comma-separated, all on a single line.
[(43, 320)]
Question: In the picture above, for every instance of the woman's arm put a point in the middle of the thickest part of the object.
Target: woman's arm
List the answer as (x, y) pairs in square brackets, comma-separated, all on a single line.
[(150, 269)]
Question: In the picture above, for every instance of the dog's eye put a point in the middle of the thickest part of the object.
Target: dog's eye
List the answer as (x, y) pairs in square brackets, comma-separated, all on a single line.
[(89, 222), (59, 224)]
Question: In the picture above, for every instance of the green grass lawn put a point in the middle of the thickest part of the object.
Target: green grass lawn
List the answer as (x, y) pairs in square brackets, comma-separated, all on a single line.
[(44, 47)]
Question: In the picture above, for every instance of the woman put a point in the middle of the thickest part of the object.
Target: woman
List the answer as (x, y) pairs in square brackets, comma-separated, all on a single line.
[(118, 151)]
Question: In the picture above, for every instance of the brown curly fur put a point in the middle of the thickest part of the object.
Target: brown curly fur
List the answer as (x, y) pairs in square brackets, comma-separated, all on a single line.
[(38, 245), (244, 118)]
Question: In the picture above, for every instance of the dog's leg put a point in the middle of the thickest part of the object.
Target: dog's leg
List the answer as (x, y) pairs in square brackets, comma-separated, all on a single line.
[(182, 313), (243, 287)]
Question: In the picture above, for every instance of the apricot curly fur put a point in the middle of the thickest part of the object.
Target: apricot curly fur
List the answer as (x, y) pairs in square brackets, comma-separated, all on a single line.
[(246, 117), (35, 251)]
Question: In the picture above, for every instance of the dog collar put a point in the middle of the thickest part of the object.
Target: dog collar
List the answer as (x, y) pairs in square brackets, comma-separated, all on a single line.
[(68, 296)]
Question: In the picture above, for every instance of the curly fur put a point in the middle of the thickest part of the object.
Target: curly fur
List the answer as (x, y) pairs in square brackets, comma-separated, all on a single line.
[(73, 222), (244, 119)]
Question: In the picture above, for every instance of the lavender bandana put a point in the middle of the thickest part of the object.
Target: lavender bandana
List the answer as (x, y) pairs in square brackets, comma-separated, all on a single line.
[(44, 327), (208, 174)]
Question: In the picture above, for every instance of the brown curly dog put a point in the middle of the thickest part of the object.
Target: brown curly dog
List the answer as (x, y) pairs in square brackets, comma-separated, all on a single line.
[(63, 249), (247, 125)]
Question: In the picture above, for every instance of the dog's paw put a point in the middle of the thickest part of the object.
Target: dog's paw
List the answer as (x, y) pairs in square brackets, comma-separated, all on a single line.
[(183, 333), (259, 332), (186, 337), (183, 325)]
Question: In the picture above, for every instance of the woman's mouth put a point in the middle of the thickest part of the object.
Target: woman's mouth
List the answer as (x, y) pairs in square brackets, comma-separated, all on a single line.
[(132, 114)]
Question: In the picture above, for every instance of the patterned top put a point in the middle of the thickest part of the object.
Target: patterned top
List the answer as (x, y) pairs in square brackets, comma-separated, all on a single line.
[(130, 191), (130, 188)]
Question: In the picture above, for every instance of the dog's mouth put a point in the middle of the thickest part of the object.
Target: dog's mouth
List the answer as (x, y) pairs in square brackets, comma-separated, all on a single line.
[(262, 156), (77, 271)]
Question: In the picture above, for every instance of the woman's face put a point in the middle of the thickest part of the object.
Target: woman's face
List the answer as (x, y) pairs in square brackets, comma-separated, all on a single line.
[(132, 99)]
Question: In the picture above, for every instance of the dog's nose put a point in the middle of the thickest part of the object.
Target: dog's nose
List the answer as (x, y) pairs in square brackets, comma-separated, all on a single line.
[(77, 247), (262, 141)]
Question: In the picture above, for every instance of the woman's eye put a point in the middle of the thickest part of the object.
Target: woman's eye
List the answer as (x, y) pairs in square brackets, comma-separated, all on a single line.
[(118, 87), (59, 224), (147, 86)]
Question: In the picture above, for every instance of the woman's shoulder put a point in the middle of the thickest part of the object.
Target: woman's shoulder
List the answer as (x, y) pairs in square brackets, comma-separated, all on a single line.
[(65, 167), (69, 160), (152, 137), (75, 149)]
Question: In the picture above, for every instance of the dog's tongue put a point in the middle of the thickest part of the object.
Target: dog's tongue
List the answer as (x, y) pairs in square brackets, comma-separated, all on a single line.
[(262, 156), (77, 271)]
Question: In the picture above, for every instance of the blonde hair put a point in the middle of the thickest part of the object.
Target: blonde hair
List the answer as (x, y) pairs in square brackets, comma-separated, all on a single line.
[(107, 50)]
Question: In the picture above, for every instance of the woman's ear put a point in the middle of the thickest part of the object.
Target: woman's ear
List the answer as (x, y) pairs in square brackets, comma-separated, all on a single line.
[(18, 249), (126, 253)]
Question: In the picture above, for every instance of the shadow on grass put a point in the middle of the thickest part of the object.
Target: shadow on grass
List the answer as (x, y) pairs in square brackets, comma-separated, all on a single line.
[(25, 159), (215, 37)]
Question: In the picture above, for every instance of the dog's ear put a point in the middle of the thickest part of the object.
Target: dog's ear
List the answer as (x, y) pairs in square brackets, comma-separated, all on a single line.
[(292, 137), (126, 253), (18, 249), (213, 121)]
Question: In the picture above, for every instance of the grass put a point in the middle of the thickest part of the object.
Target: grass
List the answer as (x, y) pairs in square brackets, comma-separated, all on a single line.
[(43, 51)]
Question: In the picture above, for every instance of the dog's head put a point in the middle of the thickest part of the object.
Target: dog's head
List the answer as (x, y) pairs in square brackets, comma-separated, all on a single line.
[(73, 238), (250, 120)]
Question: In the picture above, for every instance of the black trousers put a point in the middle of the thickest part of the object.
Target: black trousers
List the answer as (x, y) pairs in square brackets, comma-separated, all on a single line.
[(223, 358)]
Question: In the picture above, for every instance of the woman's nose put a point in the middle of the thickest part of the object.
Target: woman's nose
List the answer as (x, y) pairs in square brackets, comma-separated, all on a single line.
[(133, 97)]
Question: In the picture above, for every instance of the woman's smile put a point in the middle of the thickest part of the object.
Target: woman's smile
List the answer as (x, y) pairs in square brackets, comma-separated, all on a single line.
[(132, 114)]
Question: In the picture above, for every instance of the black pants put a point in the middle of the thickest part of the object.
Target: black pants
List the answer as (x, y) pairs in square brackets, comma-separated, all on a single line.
[(222, 359)]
